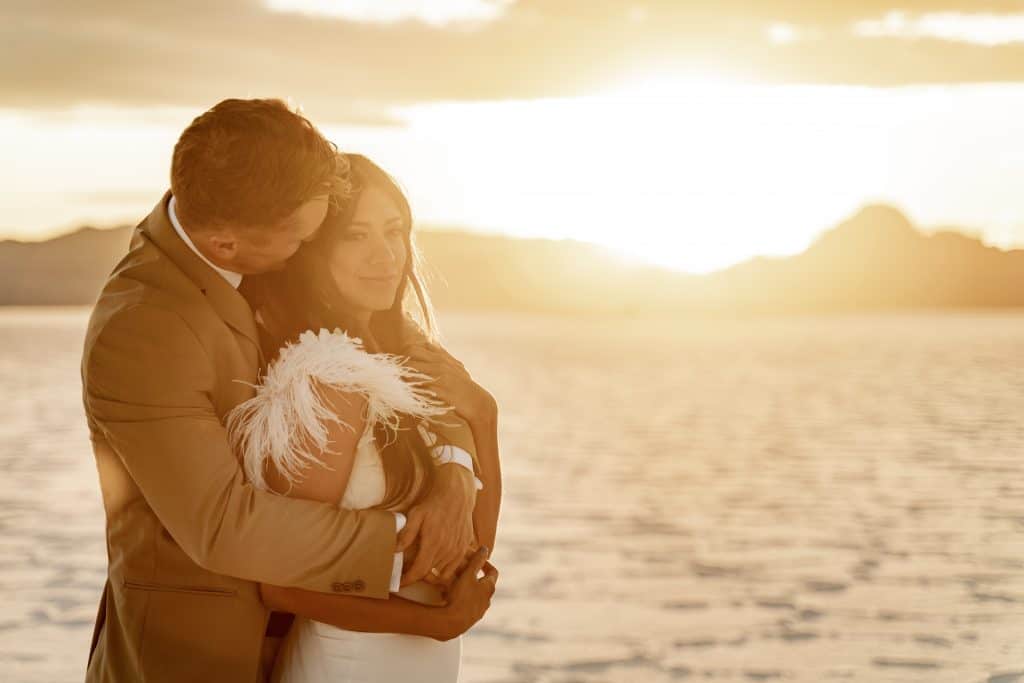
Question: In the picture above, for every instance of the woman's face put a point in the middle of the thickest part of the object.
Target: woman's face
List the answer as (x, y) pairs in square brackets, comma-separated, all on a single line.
[(369, 259)]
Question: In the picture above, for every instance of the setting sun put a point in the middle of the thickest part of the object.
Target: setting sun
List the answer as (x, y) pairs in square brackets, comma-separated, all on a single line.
[(693, 174)]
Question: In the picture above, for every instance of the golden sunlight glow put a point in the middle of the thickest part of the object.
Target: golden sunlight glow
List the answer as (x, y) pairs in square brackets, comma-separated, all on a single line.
[(434, 13), (700, 172), (690, 173), (693, 172), (667, 81), (782, 33)]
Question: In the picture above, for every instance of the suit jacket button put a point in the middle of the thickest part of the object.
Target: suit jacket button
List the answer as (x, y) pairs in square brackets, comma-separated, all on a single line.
[(338, 587), (358, 585)]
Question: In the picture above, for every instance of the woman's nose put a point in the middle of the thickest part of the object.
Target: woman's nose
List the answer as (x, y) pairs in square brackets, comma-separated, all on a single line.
[(381, 251)]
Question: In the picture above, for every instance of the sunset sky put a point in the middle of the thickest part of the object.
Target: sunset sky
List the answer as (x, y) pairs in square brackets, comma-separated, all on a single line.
[(690, 134)]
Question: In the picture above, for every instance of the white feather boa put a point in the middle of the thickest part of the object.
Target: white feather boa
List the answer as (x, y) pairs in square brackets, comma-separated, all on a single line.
[(286, 422)]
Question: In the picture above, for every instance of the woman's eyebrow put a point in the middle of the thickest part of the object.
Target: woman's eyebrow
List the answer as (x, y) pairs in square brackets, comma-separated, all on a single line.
[(393, 219)]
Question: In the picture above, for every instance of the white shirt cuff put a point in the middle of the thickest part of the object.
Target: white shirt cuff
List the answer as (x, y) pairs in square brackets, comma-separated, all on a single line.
[(398, 561), (446, 454)]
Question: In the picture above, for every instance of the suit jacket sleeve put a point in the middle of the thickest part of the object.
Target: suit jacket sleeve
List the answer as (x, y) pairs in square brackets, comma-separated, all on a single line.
[(148, 383)]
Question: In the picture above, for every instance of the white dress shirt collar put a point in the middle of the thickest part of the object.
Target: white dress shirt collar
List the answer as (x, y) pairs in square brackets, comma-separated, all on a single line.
[(233, 279)]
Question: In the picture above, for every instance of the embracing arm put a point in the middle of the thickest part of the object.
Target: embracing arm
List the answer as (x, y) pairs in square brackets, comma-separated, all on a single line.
[(475, 412), (468, 600), (327, 484), (488, 499), (147, 383), (394, 615)]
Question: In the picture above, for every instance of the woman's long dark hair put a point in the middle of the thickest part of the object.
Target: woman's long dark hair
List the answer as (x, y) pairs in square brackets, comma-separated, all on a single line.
[(304, 296)]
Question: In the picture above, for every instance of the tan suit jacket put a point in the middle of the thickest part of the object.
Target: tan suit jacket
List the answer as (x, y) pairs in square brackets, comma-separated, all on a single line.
[(170, 349)]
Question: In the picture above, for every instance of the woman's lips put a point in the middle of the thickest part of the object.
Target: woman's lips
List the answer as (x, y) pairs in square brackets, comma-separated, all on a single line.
[(381, 280)]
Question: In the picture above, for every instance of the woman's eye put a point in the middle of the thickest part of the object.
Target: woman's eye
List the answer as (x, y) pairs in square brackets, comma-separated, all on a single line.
[(355, 236), (396, 232)]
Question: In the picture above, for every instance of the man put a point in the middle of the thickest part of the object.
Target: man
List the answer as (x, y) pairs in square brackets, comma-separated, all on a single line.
[(170, 349)]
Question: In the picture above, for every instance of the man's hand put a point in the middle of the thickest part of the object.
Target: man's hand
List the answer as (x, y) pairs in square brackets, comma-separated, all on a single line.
[(469, 597), (443, 526)]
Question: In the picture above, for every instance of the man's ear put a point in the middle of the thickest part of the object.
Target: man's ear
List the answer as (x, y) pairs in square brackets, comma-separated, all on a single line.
[(224, 245)]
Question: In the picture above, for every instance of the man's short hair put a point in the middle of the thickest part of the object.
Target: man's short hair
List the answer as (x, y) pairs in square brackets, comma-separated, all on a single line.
[(248, 163)]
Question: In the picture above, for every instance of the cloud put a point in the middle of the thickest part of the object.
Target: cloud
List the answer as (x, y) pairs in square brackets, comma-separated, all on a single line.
[(358, 62), (782, 33), (436, 13), (981, 29)]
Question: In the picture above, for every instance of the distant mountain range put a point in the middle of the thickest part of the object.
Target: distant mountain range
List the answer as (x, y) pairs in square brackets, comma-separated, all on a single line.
[(875, 260)]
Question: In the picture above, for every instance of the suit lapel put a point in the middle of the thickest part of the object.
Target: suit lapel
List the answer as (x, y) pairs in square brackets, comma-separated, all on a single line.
[(225, 299)]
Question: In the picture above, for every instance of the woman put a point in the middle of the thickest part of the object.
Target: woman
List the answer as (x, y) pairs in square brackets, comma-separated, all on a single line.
[(337, 418)]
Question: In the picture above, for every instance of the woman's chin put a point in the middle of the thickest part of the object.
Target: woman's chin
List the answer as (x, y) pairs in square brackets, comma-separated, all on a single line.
[(378, 303)]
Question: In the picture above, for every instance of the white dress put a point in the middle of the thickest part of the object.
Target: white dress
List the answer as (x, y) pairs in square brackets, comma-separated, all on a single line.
[(286, 410)]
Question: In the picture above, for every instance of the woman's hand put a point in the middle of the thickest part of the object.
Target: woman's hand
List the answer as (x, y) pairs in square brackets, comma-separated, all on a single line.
[(469, 597), (452, 384)]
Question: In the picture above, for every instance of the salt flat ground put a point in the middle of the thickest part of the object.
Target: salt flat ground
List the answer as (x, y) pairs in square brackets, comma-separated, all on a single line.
[(804, 499)]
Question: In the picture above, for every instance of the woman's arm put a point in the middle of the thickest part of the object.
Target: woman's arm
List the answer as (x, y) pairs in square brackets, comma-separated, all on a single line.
[(483, 430), (488, 499), (474, 404), (470, 599), (394, 615), (327, 483)]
